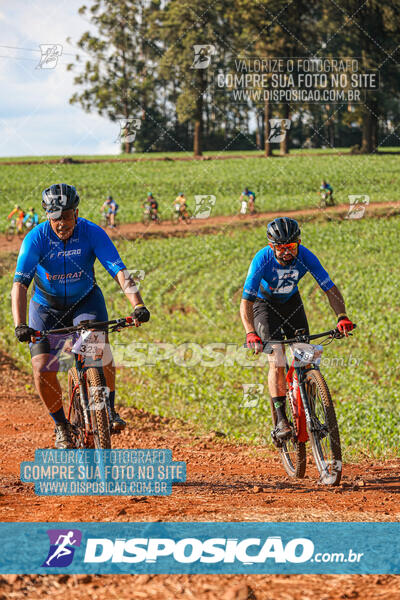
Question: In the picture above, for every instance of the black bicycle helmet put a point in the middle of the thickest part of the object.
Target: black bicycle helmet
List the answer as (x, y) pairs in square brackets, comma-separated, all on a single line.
[(59, 197), (283, 230)]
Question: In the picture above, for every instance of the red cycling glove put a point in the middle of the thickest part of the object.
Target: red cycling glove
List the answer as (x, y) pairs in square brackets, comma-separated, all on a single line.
[(344, 325), (254, 341)]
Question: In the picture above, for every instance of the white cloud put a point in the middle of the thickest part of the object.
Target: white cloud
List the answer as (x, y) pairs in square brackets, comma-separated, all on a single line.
[(35, 114)]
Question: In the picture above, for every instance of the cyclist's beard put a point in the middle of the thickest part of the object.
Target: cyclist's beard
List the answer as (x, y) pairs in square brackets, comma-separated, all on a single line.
[(284, 261)]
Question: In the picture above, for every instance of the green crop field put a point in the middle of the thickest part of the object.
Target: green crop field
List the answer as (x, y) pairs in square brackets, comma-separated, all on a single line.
[(279, 183), (193, 286)]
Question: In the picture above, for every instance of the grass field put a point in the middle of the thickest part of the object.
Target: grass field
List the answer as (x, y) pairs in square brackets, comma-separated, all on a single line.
[(193, 286), (279, 183)]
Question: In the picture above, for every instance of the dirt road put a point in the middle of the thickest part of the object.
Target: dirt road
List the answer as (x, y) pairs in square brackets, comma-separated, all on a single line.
[(132, 231), (225, 482)]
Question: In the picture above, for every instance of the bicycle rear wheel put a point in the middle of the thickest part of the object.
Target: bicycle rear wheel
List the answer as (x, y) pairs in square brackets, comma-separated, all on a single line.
[(323, 432), (292, 452), (100, 422)]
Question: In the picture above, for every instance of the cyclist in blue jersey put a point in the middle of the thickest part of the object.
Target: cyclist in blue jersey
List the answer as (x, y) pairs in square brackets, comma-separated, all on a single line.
[(59, 256), (326, 193), (31, 218), (248, 197), (112, 208), (271, 305)]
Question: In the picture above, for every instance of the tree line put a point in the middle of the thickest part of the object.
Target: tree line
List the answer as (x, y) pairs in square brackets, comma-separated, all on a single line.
[(137, 64)]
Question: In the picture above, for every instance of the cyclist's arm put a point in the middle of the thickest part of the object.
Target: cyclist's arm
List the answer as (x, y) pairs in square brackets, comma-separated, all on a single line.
[(246, 314), (129, 287), (311, 262), (336, 300), (19, 303), (105, 250), (12, 213), (250, 290)]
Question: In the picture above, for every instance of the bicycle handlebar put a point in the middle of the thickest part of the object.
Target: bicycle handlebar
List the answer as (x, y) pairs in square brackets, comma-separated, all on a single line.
[(333, 333), (84, 325)]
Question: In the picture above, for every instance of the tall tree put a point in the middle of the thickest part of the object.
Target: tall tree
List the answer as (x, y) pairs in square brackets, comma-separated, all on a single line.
[(117, 72), (278, 29), (369, 31), (187, 26)]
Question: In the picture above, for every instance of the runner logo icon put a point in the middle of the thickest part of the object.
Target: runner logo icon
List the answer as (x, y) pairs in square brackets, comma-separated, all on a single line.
[(62, 547)]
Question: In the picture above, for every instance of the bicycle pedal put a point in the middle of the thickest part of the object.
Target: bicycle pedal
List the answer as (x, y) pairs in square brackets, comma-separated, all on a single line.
[(275, 440)]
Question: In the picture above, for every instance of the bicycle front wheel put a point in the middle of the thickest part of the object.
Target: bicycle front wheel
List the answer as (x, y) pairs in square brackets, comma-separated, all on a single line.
[(76, 414), (98, 407), (10, 232), (323, 430), (292, 452)]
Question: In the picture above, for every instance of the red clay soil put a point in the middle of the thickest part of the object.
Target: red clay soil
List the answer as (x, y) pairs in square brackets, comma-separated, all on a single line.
[(132, 231), (225, 482)]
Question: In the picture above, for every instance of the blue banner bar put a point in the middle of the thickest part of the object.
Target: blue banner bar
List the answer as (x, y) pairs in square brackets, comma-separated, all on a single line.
[(209, 548)]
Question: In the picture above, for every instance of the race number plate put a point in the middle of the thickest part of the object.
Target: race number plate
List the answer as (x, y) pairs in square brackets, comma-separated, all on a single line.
[(91, 344)]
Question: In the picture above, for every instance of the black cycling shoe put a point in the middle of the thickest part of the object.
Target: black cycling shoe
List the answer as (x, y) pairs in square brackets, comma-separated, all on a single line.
[(283, 429), (64, 438), (117, 423)]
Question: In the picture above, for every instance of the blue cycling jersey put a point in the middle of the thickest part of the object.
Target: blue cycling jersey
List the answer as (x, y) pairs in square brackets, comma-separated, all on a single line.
[(63, 271), (249, 193), (268, 279), (31, 216), (112, 206)]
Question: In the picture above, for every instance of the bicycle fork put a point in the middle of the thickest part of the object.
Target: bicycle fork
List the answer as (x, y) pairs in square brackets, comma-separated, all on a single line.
[(312, 423)]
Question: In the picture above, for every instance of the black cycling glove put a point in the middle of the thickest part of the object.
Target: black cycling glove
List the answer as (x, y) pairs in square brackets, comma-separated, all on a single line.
[(24, 333), (141, 314)]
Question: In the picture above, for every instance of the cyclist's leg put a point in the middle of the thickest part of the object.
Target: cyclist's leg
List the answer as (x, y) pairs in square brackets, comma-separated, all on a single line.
[(45, 366), (44, 355), (267, 322)]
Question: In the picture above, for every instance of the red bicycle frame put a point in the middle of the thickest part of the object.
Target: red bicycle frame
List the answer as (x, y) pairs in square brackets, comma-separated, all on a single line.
[(297, 405)]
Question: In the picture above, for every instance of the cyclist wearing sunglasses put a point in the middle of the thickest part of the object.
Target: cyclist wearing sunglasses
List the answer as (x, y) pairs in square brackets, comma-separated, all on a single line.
[(271, 306)]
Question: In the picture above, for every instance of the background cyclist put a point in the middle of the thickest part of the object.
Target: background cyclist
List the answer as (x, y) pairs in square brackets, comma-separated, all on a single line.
[(151, 205), (111, 208), (326, 192), (59, 255), (271, 301), (19, 216), (180, 205), (31, 218), (248, 197)]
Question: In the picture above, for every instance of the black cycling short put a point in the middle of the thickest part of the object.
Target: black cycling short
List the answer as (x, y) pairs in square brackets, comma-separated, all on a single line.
[(270, 317)]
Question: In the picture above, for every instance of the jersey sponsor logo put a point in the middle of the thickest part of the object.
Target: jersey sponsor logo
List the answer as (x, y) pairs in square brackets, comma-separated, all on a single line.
[(21, 274), (287, 281), (62, 276), (66, 253)]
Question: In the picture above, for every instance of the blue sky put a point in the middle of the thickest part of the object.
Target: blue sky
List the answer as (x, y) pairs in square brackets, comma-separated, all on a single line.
[(35, 115)]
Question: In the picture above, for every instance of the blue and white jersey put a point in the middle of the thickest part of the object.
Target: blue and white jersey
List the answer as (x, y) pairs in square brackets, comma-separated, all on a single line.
[(267, 279), (64, 270)]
